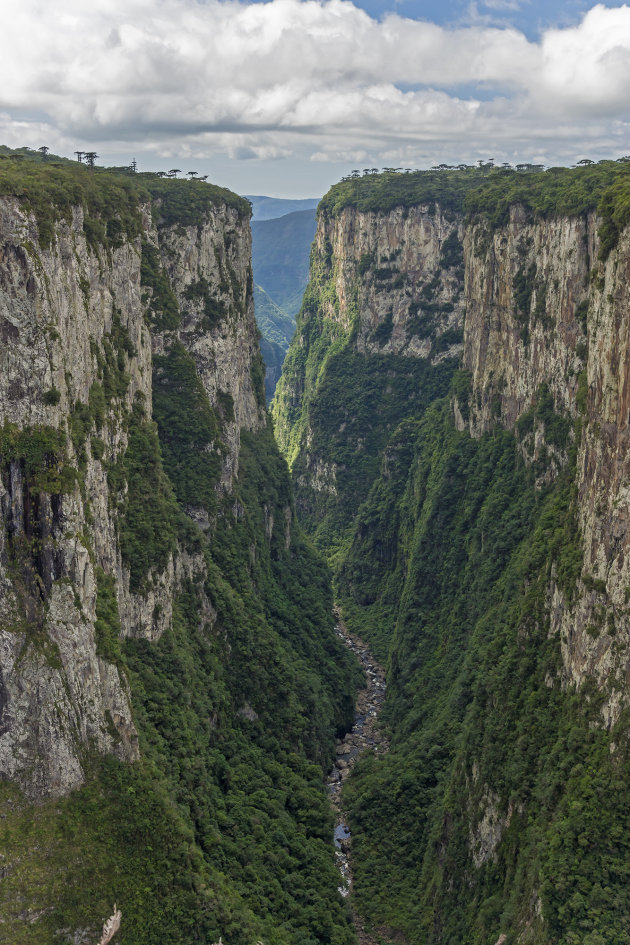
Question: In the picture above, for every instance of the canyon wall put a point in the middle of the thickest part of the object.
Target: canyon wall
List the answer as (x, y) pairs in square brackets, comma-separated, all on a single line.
[(169, 674), (485, 554), (77, 356), (521, 308)]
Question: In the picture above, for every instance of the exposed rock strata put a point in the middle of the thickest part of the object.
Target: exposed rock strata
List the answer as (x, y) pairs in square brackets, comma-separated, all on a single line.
[(60, 307), (385, 265), (539, 312)]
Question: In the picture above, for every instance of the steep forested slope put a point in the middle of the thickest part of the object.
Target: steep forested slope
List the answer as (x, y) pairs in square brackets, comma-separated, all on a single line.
[(280, 259), (485, 558), (280, 255), (170, 682)]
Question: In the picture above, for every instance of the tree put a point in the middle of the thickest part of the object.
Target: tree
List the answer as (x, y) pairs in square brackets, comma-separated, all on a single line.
[(192, 174), (90, 158), (80, 155), (174, 172), (43, 150)]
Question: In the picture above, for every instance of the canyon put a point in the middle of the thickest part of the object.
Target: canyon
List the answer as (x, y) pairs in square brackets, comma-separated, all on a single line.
[(446, 460), (453, 412)]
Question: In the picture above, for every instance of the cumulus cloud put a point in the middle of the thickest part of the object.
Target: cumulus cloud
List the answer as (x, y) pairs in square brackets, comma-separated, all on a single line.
[(265, 80)]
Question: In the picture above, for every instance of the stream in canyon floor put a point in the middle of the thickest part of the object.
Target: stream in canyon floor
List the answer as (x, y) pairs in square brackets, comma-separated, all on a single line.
[(365, 735)]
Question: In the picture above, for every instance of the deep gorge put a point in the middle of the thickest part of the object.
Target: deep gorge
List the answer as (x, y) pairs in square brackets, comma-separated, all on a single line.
[(453, 410)]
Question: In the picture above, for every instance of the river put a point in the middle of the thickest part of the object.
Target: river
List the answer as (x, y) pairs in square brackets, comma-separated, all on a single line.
[(365, 735)]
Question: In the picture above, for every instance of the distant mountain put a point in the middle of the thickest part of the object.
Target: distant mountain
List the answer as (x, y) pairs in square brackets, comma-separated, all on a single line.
[(269, 208), (280, 254)]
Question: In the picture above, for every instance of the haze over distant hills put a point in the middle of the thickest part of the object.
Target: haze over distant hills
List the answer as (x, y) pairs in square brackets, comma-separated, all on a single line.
[(270, 208), (281, 249), (282, 233)]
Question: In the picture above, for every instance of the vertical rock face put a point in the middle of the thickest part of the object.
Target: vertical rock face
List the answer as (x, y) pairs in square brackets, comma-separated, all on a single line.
[(212, 262), (397, 278), (382, 315), (541, 320), (487, 558), (525, 286), (541, 311), (596, 635), (76, 349)]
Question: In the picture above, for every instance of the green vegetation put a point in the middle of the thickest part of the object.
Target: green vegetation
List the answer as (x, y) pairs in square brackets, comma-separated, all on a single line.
[(490, 192), (273, 356), (452, 253), (214, 310), (147, 509), (523, 288), (107, 626), (51, 397), (163, 307), (260, 821), (448, 577), (383, 332), (112, 360), (381, 193), (360, 401), (188, 203), (350, 403), (52, 189), (111, 198), (489, 814), (223, 828), (41, 453), (258, 378), (274, 323), (188, 427), (237, 706), (445, 549), (118, 839)]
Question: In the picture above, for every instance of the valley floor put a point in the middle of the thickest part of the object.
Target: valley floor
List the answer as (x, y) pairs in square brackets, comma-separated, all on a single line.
[(366, 735)]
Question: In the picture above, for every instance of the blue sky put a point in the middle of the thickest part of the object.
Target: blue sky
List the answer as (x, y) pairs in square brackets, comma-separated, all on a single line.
[(285, 96), (529, 17)]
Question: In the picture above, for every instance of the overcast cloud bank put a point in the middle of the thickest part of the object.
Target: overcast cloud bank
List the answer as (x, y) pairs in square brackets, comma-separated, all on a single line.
[(322, 81)]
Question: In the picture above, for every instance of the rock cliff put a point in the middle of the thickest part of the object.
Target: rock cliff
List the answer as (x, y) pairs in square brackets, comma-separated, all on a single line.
[(382, 317), (485, 555), (77, 352), (521, 308), (167, 645)]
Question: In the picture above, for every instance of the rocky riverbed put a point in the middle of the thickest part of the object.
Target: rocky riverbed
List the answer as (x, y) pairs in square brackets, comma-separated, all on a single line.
[(365, 735)]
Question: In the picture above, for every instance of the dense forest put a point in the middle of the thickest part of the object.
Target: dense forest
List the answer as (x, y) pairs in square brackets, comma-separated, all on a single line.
[(451, 497), (454, 414), (222, 827)]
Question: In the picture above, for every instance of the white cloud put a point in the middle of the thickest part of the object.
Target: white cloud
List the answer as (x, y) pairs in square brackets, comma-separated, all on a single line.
[(320, 78)]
